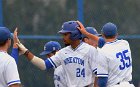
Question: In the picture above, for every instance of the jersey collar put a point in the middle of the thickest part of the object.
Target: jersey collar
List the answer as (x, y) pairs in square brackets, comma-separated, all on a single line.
[(3, 51), (112, 41), (81, 42)]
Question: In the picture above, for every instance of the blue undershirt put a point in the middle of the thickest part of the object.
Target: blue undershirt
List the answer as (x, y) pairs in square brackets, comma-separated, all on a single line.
[(101, 42), (15, 54), (102, 81)]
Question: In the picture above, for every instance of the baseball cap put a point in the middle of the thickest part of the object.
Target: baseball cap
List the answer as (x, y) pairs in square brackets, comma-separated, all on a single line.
[(91, 30), (50, 47), (71, 27), (4, 34), (109, 29)]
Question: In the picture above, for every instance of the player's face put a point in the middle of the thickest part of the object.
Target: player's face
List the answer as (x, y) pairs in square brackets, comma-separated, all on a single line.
[(90, 42), (66, 38)]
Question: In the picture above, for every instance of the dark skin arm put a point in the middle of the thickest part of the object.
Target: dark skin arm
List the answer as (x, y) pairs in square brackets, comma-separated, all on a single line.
[(95, 82), (15, 85)]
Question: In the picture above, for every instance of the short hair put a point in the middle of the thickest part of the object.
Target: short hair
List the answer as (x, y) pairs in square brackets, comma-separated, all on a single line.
[(3, 43)]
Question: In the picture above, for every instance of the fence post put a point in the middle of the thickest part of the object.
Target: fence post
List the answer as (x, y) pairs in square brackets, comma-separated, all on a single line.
[(80, 10), (1, 14)]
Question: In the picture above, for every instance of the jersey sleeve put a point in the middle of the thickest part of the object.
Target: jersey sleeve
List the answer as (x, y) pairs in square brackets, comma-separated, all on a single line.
[(54, 61), (11, 73), (15, 54), (102, 65), (101, 42)]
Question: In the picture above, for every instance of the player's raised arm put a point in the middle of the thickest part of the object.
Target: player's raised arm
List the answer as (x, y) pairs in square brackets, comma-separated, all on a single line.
[(83, 31), (40, 63), (15, 38), (15, 52)]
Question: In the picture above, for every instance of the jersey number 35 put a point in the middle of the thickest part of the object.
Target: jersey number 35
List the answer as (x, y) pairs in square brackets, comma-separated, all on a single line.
[(124, 59)]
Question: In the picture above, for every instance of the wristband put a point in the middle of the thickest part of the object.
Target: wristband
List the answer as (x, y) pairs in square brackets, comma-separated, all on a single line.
[(26, 53)]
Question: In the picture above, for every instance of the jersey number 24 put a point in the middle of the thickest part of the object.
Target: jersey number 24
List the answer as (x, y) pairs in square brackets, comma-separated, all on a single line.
[(125, 60), (80, 72)]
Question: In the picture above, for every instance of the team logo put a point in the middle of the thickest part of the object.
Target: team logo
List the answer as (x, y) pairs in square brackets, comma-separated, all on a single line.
[(53, 48), (62, 26), (44, 47)]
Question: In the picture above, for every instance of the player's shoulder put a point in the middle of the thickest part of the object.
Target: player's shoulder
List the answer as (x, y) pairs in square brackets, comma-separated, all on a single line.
[(81, 46), (123, 41), (6, 58), (64, 49)]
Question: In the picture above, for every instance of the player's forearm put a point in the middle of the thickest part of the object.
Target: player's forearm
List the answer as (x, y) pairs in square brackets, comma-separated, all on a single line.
[(91, 36), (95, 82), (40, 63), (15, 85), (29, 55)]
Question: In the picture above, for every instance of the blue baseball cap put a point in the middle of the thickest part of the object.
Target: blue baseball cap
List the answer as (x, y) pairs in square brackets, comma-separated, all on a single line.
[(50, 47), (109, 29), (91, 30), (4, 34)]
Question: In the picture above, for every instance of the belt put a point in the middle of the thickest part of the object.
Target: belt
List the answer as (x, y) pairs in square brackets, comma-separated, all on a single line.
[(128, 81)]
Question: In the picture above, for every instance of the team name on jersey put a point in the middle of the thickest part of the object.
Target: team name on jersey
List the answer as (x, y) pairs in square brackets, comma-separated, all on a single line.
[(74, 60)]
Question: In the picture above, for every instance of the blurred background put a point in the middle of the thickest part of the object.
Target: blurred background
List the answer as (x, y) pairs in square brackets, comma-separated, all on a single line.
[(40, 20)]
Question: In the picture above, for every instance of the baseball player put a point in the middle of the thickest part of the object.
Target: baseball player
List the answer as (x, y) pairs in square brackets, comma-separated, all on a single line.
[(116, 66), (50, 49), (76, 59), (115, 62), (9, 76), (99, 40)]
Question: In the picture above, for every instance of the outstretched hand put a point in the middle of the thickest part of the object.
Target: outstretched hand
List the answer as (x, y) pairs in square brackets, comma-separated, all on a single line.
[(81, 28), (15, 38)]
